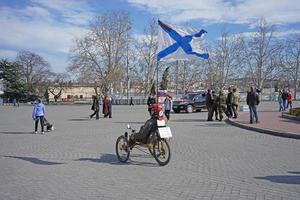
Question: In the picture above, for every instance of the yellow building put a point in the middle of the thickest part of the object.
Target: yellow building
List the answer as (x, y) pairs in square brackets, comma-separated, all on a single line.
[(74, 93)]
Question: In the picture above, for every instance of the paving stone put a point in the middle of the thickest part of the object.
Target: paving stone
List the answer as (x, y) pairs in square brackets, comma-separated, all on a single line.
[(210, 160)]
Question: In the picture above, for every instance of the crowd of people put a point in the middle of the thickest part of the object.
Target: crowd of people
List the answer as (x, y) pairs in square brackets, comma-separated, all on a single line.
[(219, 104), (106, 107), (285, 99)]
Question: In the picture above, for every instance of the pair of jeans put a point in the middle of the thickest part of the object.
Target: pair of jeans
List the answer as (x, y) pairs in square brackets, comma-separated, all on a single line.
[(285, 103), (253, 113), (96, 112), (37, 119), (167, 113), (280, 106)]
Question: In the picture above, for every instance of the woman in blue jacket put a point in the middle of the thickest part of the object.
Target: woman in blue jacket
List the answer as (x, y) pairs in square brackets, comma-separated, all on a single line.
[(38, 115)]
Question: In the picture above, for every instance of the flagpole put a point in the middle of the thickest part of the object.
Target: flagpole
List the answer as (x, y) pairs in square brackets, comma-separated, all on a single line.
[(157, 81)]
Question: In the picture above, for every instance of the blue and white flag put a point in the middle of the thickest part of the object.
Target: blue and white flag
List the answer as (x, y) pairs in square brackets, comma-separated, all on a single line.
[(179, 44)]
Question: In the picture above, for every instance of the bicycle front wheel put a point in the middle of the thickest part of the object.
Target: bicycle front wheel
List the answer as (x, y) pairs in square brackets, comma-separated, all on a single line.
[(122, 149), (161, 152)]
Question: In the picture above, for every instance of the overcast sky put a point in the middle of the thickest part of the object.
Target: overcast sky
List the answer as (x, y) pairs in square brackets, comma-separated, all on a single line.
[(48, 27)]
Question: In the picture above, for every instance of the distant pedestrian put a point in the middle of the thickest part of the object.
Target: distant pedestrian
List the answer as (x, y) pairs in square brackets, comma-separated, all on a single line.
[(131, 102), (215, 105), (105, 106), (110, 106), (221, 102), (14, 101), (95, 107), (38, 115), (252, 102), (284, 98), (229, 103), (168, 103), (235, 102), (151, 100), (209, 105), (280, 101), (290, 100)]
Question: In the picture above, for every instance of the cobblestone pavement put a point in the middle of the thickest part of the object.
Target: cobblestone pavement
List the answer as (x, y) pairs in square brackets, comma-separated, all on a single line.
[(210, 160)]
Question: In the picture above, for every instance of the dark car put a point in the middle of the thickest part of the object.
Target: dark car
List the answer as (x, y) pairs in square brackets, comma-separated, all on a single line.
[(190, 103)]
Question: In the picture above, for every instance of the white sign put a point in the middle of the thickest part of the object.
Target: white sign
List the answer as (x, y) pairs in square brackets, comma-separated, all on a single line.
[(165, 132)]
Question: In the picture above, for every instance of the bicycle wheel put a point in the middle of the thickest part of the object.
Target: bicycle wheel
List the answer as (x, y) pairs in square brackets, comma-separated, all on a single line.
[(122, 149), (161, 152), (150, 142)]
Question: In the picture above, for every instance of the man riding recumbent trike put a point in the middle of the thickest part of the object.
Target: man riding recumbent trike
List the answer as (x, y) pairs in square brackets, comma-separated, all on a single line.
[(154, 135)]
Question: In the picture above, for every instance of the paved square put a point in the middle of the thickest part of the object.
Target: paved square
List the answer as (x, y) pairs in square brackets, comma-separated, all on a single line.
[(210, 160)]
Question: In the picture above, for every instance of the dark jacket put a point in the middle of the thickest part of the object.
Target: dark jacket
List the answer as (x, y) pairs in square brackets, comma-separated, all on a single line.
[(229, 98), (209, 100), (252, 99), (150, 101), (285, 95)]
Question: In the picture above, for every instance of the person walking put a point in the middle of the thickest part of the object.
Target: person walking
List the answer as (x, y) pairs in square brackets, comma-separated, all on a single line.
[(105, 107), (221, 102), (95, 107), (38, 114), (151, 100), (131, 102), (252, 102), (290, 99), (280, 101), (215, 105), (235, 102), (168, 103), (209, 105), (229, 103), (284, 99), (110, 107)]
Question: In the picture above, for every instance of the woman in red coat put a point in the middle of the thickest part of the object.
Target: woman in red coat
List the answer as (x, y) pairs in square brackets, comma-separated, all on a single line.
[(105, 109), (290, 99)]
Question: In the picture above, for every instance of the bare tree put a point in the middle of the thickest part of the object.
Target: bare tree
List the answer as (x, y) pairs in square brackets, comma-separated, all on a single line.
[(97, 57), (262, 55), (35, 70), (147, 50), (187, 75), (225, 61), (60, 83), (292, 60)]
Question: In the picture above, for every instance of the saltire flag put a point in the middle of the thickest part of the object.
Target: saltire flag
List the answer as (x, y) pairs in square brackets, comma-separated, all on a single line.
[(179, 44)]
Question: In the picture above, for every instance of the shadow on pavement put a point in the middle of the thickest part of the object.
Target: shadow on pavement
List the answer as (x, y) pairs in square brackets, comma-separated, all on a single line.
[(113, 160), (290, 121), (34, 160), (293, 172), (15, 132), (282, 179)]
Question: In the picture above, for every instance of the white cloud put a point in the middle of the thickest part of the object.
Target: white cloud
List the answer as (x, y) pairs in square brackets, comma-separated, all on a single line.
[(75, 12), (36, 28), (216, 11)]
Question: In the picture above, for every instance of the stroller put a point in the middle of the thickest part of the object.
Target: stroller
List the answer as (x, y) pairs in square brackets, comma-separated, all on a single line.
[(49, 127)]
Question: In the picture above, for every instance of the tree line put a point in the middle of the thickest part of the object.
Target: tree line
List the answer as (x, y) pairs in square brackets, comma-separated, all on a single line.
[(110, 58)]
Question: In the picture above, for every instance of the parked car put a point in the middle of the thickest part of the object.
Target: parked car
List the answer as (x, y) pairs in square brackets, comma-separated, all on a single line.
[(192, 102)]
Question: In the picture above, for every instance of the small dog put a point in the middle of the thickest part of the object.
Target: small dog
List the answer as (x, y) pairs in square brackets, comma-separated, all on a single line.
[(49, 127)]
